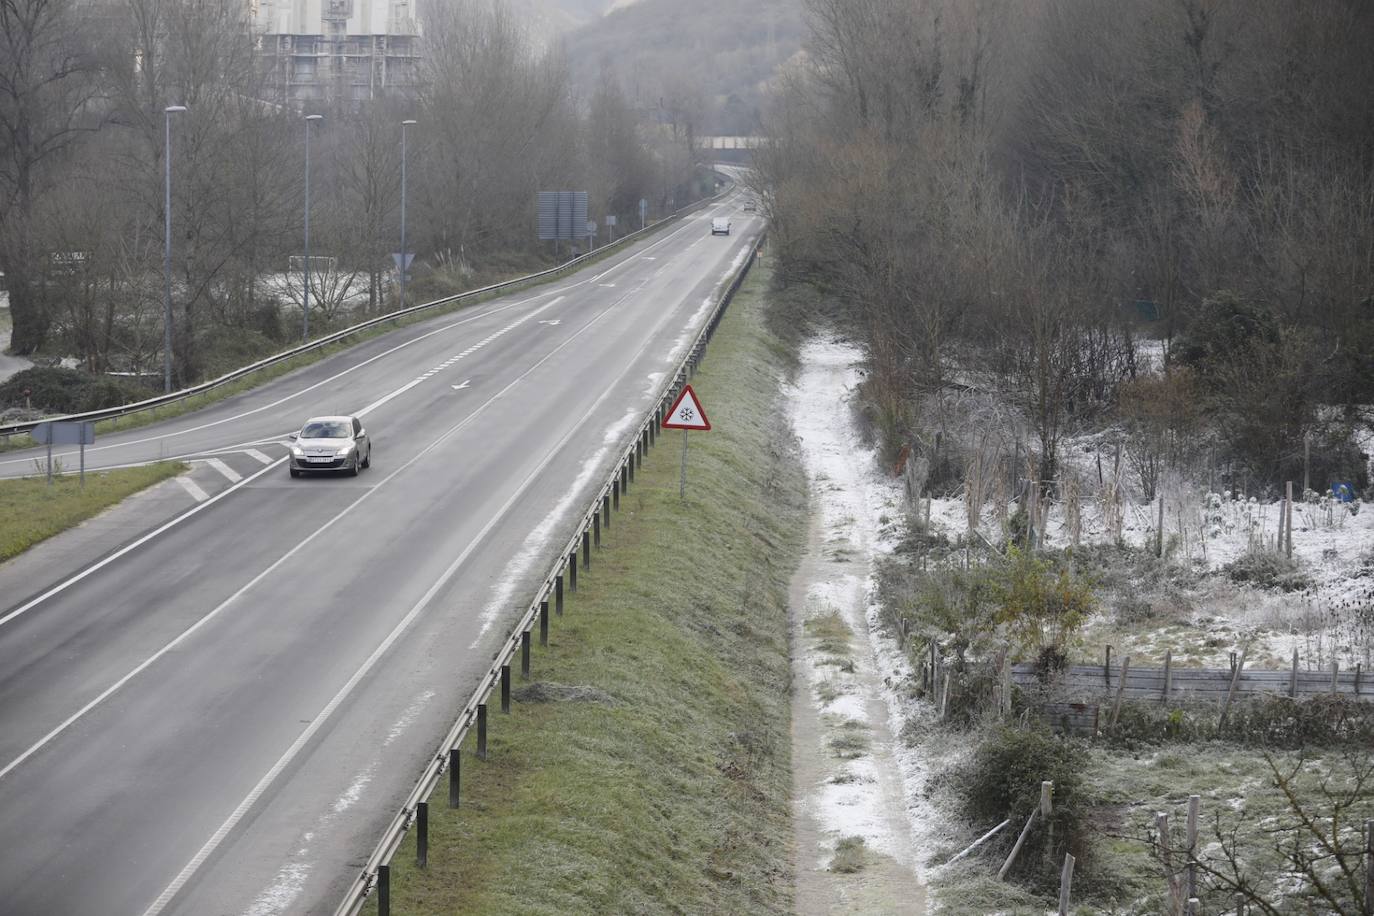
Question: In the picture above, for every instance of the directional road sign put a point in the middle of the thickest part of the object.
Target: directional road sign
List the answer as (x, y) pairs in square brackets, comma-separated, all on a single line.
[(686, 412)]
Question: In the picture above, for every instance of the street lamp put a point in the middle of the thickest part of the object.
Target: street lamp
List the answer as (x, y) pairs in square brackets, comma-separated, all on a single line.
[(167, 251), (402, 265), (305, 310)]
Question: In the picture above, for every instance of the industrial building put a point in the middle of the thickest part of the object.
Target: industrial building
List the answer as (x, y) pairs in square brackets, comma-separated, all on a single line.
[(339, 52)]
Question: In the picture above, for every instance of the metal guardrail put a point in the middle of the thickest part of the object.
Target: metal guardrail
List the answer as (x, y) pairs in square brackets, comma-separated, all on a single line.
[(162, 400), (537, 614)]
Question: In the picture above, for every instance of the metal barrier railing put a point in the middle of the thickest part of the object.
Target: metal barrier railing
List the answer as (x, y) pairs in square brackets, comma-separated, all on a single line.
[(376, 873), (163, 400)]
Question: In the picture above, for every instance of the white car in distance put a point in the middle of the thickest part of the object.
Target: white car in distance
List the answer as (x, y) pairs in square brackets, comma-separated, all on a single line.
[(720, 225)]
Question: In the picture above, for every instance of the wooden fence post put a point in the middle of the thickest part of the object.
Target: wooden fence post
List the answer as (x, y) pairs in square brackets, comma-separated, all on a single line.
[(1046, 809), (1293, 678), (1369, 868), (1107, 667), (1235, 679), (1194, 806), (1159, 532), (1065, 884), (1020, 841), (1288, 525), (1168, 672), (1335, 675), (1120, 687)]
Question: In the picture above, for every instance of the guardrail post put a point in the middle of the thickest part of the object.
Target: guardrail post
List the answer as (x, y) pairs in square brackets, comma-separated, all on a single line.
[(606, 510), (454, 774), (383, 890), (505, 688), (525, 650), (596, 528), (630, 468), (653, 427), (543, 623), (557, 596), (572, 571), (481, 731), (615, 493), (422, 834), (586, 550)]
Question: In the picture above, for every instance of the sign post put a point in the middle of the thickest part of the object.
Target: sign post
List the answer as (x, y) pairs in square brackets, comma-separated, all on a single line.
[(65, 433), (686, 414)]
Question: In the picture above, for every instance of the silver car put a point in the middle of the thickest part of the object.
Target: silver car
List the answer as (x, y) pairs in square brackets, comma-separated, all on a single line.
[(330, 444)]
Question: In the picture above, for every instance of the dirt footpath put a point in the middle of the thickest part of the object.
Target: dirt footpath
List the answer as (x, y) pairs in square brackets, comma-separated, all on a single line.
[(854, 846)]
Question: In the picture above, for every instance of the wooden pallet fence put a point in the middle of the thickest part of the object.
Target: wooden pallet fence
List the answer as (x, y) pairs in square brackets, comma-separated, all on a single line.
[(1085, 683)]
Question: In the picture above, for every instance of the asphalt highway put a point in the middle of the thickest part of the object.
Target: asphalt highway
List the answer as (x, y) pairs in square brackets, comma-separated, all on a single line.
[(223, 717)]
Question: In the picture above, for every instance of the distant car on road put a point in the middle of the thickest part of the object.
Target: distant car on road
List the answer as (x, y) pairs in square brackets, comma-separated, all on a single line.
[(750, 206), (720, 226), (330, 444)]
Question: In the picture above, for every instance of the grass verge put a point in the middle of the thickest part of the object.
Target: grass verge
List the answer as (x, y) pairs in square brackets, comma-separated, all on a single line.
[(31, 511), (664, 785)]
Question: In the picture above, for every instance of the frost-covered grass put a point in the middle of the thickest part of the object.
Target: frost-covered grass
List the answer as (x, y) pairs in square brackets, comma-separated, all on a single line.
[(673, 794)]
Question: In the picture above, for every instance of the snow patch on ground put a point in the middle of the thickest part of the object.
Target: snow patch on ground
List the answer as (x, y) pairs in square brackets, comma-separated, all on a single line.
[(290, 879), (860, 513), (536, 546)]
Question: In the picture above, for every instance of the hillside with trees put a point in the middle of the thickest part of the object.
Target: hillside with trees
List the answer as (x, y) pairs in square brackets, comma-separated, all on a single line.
[(82, 140), (1155, 216), (710, 61)]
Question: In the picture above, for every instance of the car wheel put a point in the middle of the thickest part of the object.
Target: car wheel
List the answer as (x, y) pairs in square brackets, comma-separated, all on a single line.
[(294, 472), (367, 462), (355, 466)]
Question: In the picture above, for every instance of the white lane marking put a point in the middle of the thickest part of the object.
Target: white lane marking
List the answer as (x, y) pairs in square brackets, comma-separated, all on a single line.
[(257, 456), (462, 386), (607, 285), (285, 760), (68, 583), (230, 474), (283, 400), (190, 486), (96, 567), (382, 400), (552, 322)]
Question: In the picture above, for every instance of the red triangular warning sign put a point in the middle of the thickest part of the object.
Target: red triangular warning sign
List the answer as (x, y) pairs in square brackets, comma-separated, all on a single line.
[(686, 412)]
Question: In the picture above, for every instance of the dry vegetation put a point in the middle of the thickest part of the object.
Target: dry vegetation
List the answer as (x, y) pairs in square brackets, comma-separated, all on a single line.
[(82, 164), (1098, 254)]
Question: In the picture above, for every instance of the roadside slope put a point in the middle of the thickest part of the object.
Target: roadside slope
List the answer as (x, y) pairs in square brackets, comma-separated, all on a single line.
[(662, 782)]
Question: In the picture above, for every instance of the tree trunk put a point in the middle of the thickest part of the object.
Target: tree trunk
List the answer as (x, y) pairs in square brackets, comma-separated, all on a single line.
[(27, 312)]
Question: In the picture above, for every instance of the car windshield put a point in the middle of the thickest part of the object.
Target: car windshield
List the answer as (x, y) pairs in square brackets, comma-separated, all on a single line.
[(327, 429)]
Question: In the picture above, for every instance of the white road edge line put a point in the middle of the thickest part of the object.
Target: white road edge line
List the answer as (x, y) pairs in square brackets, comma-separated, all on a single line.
[(304, 738), (191, 487)]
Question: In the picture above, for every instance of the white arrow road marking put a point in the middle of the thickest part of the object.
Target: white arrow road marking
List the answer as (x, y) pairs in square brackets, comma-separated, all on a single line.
[(462, 386)]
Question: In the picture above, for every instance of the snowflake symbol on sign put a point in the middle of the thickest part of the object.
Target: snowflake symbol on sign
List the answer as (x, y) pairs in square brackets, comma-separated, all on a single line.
[(686, 414)]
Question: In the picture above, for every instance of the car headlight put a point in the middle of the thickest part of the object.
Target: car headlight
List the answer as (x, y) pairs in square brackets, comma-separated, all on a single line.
[(344, 450), (297, 451)]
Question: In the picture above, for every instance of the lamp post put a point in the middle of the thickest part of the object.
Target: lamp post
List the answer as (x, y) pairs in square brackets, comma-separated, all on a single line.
[(167, 249), (402, 265), (305, 302)]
